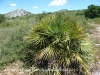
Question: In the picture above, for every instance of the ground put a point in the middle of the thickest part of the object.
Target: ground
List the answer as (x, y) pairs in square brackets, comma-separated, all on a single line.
[(95, 37)]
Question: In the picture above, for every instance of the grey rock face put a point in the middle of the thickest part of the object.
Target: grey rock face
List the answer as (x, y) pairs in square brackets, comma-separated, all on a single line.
[(17, 13)]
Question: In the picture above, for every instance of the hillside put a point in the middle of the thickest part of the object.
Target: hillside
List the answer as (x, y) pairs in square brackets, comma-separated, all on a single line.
[(17, 13)]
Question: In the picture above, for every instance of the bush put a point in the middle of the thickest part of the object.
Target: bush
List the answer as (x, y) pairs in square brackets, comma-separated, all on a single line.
[(12, 48), (2, 18), (59, 40), (93, 11)]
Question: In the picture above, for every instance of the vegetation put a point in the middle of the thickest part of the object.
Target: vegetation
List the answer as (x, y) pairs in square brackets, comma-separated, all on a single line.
[(93, 11), (2, 18), (12, 44), (94, 20), (51, 41), (58, 41)]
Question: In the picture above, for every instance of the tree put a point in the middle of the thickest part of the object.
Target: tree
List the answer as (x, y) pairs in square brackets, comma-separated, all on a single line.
[(92, 11), (2, 18), (58, 41)]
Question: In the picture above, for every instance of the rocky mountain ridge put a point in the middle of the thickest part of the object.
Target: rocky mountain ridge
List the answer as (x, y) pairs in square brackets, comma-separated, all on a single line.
[(17, 13)]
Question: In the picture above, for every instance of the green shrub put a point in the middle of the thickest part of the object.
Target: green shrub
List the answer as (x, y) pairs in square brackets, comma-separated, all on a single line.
[(2, 18), (59, 39), (93, 11), (12, 48)]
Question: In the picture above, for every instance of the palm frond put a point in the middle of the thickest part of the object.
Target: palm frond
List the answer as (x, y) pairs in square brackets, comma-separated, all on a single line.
[(60, 37), (45, 53)]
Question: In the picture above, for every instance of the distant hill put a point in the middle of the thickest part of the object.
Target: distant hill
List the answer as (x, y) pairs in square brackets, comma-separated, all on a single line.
[(17, 13)]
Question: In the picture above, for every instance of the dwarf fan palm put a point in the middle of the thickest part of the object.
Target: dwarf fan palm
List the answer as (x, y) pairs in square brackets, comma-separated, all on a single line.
[(58, 39)]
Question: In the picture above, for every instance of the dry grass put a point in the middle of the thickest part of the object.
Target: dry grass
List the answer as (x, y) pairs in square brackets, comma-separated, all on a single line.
[(95, 37)]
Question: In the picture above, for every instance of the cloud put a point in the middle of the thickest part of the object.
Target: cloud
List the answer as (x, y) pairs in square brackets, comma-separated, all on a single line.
[(57, 3), (35, 7), (13, 4)]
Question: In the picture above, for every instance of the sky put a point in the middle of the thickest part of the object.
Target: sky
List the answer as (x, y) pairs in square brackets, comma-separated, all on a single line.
[(38, 6)]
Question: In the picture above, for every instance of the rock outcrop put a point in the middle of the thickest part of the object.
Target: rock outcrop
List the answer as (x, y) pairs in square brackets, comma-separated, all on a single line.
[(17, 13)]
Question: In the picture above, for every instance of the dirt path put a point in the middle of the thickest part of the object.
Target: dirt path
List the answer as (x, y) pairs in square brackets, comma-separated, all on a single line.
[(95, 37), (15, 69), (95, 33)]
